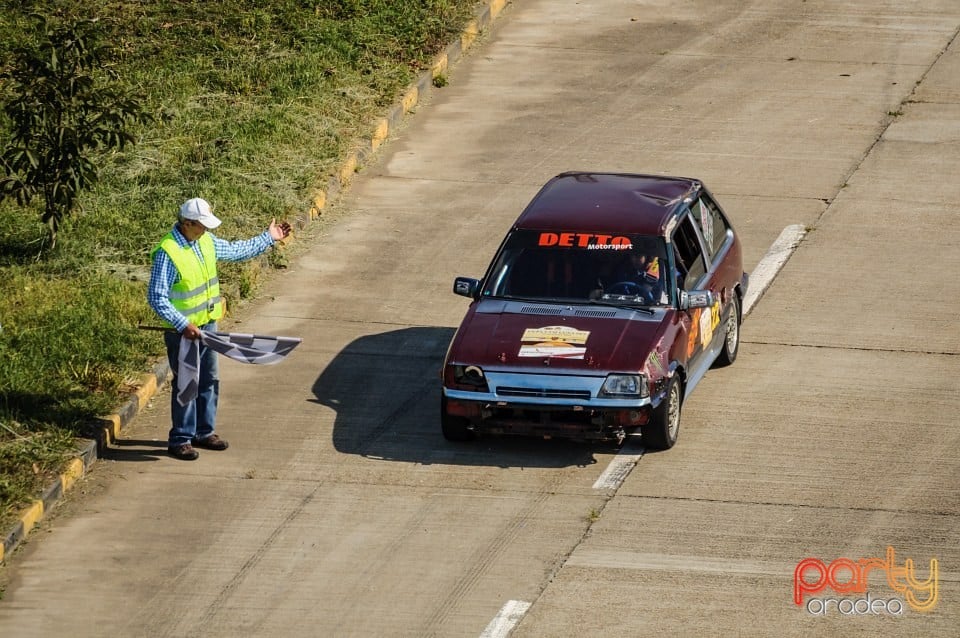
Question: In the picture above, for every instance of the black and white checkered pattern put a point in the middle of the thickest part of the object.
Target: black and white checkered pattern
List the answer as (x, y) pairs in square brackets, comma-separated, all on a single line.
[(245, 348)]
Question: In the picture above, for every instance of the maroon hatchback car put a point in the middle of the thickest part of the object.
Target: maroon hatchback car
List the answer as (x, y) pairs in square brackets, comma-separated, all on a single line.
[(607, 302)]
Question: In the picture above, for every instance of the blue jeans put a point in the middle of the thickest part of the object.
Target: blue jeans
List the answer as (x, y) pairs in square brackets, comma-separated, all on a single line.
[(197, 419)]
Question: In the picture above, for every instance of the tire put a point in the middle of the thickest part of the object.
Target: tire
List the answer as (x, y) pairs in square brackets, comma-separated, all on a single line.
[(731, 338), (664, 427), (455, 428)]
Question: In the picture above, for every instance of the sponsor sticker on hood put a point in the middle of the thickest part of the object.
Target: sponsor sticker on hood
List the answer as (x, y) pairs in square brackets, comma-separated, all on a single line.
[(554, 341)]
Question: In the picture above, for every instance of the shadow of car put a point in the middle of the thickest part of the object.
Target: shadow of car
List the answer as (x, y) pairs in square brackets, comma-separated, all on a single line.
[(383, 389)]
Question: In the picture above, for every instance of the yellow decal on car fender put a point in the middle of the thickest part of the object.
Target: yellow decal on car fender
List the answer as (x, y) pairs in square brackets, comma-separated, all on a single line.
[(694, 331)]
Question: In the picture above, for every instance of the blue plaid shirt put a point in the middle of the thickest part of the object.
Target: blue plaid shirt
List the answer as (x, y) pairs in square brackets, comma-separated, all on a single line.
[(164, 273)]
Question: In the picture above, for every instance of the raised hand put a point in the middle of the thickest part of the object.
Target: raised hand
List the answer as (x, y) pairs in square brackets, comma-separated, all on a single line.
[(279, 231)]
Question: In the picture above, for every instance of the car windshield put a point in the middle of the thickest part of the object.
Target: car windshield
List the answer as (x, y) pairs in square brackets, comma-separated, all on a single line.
[(580, 267)]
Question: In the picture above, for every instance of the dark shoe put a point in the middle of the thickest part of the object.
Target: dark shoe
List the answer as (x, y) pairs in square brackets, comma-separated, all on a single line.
[(212, 442), (183, 452)]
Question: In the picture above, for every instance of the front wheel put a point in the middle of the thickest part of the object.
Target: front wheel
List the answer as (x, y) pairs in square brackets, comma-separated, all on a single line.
[(664, 426), (731, 338), (455, 428)]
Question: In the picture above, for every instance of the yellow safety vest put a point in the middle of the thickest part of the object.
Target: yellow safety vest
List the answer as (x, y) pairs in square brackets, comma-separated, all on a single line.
[(197, 294)]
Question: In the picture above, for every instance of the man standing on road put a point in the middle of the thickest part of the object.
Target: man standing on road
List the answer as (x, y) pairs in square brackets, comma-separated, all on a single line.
[(185, 292)]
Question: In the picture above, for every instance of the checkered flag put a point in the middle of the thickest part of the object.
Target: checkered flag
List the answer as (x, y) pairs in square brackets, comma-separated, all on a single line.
[(245, 348)]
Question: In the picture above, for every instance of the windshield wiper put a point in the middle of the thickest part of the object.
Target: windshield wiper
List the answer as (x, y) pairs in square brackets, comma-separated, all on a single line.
[(619, 304)]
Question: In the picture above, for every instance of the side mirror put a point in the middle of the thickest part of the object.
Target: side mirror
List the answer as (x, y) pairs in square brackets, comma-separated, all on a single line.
[(695, 299), (466, 287)]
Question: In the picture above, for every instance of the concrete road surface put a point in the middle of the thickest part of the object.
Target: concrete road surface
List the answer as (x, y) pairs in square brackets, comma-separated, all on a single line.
[(339, 510)]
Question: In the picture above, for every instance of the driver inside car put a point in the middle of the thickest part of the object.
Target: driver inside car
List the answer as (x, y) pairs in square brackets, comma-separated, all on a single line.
[(638, 275)]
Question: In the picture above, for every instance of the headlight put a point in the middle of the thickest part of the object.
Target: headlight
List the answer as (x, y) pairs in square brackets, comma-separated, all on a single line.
[(469, 378), (625, 386)]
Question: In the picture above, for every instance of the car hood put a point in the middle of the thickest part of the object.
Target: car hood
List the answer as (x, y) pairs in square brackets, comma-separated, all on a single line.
[(506, 335)]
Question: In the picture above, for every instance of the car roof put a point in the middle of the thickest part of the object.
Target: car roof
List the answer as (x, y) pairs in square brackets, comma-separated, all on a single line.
[(607, 202)]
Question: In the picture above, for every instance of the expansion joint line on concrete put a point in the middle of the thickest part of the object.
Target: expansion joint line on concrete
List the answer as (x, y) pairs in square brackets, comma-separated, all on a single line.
[(808, 506), (824, 346)]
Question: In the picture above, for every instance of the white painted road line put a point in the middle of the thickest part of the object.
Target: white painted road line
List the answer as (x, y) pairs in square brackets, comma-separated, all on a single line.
[(619, 468), (503, 623), (765, 272)]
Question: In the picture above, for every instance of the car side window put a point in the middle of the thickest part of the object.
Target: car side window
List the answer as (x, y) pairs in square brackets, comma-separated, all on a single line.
[(712, 224), (690, 262)]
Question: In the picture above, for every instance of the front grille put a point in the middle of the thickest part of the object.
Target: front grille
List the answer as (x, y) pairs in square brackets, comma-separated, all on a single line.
[(544, 393)]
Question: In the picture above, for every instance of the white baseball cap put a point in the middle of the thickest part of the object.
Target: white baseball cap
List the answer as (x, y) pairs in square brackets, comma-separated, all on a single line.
[(199, 210)]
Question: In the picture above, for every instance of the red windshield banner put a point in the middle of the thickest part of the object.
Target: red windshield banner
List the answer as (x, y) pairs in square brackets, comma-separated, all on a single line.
[(590, 241)]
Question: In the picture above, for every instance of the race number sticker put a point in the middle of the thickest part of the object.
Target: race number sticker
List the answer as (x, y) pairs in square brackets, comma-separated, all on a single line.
[(554, 341), (709, 322)]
